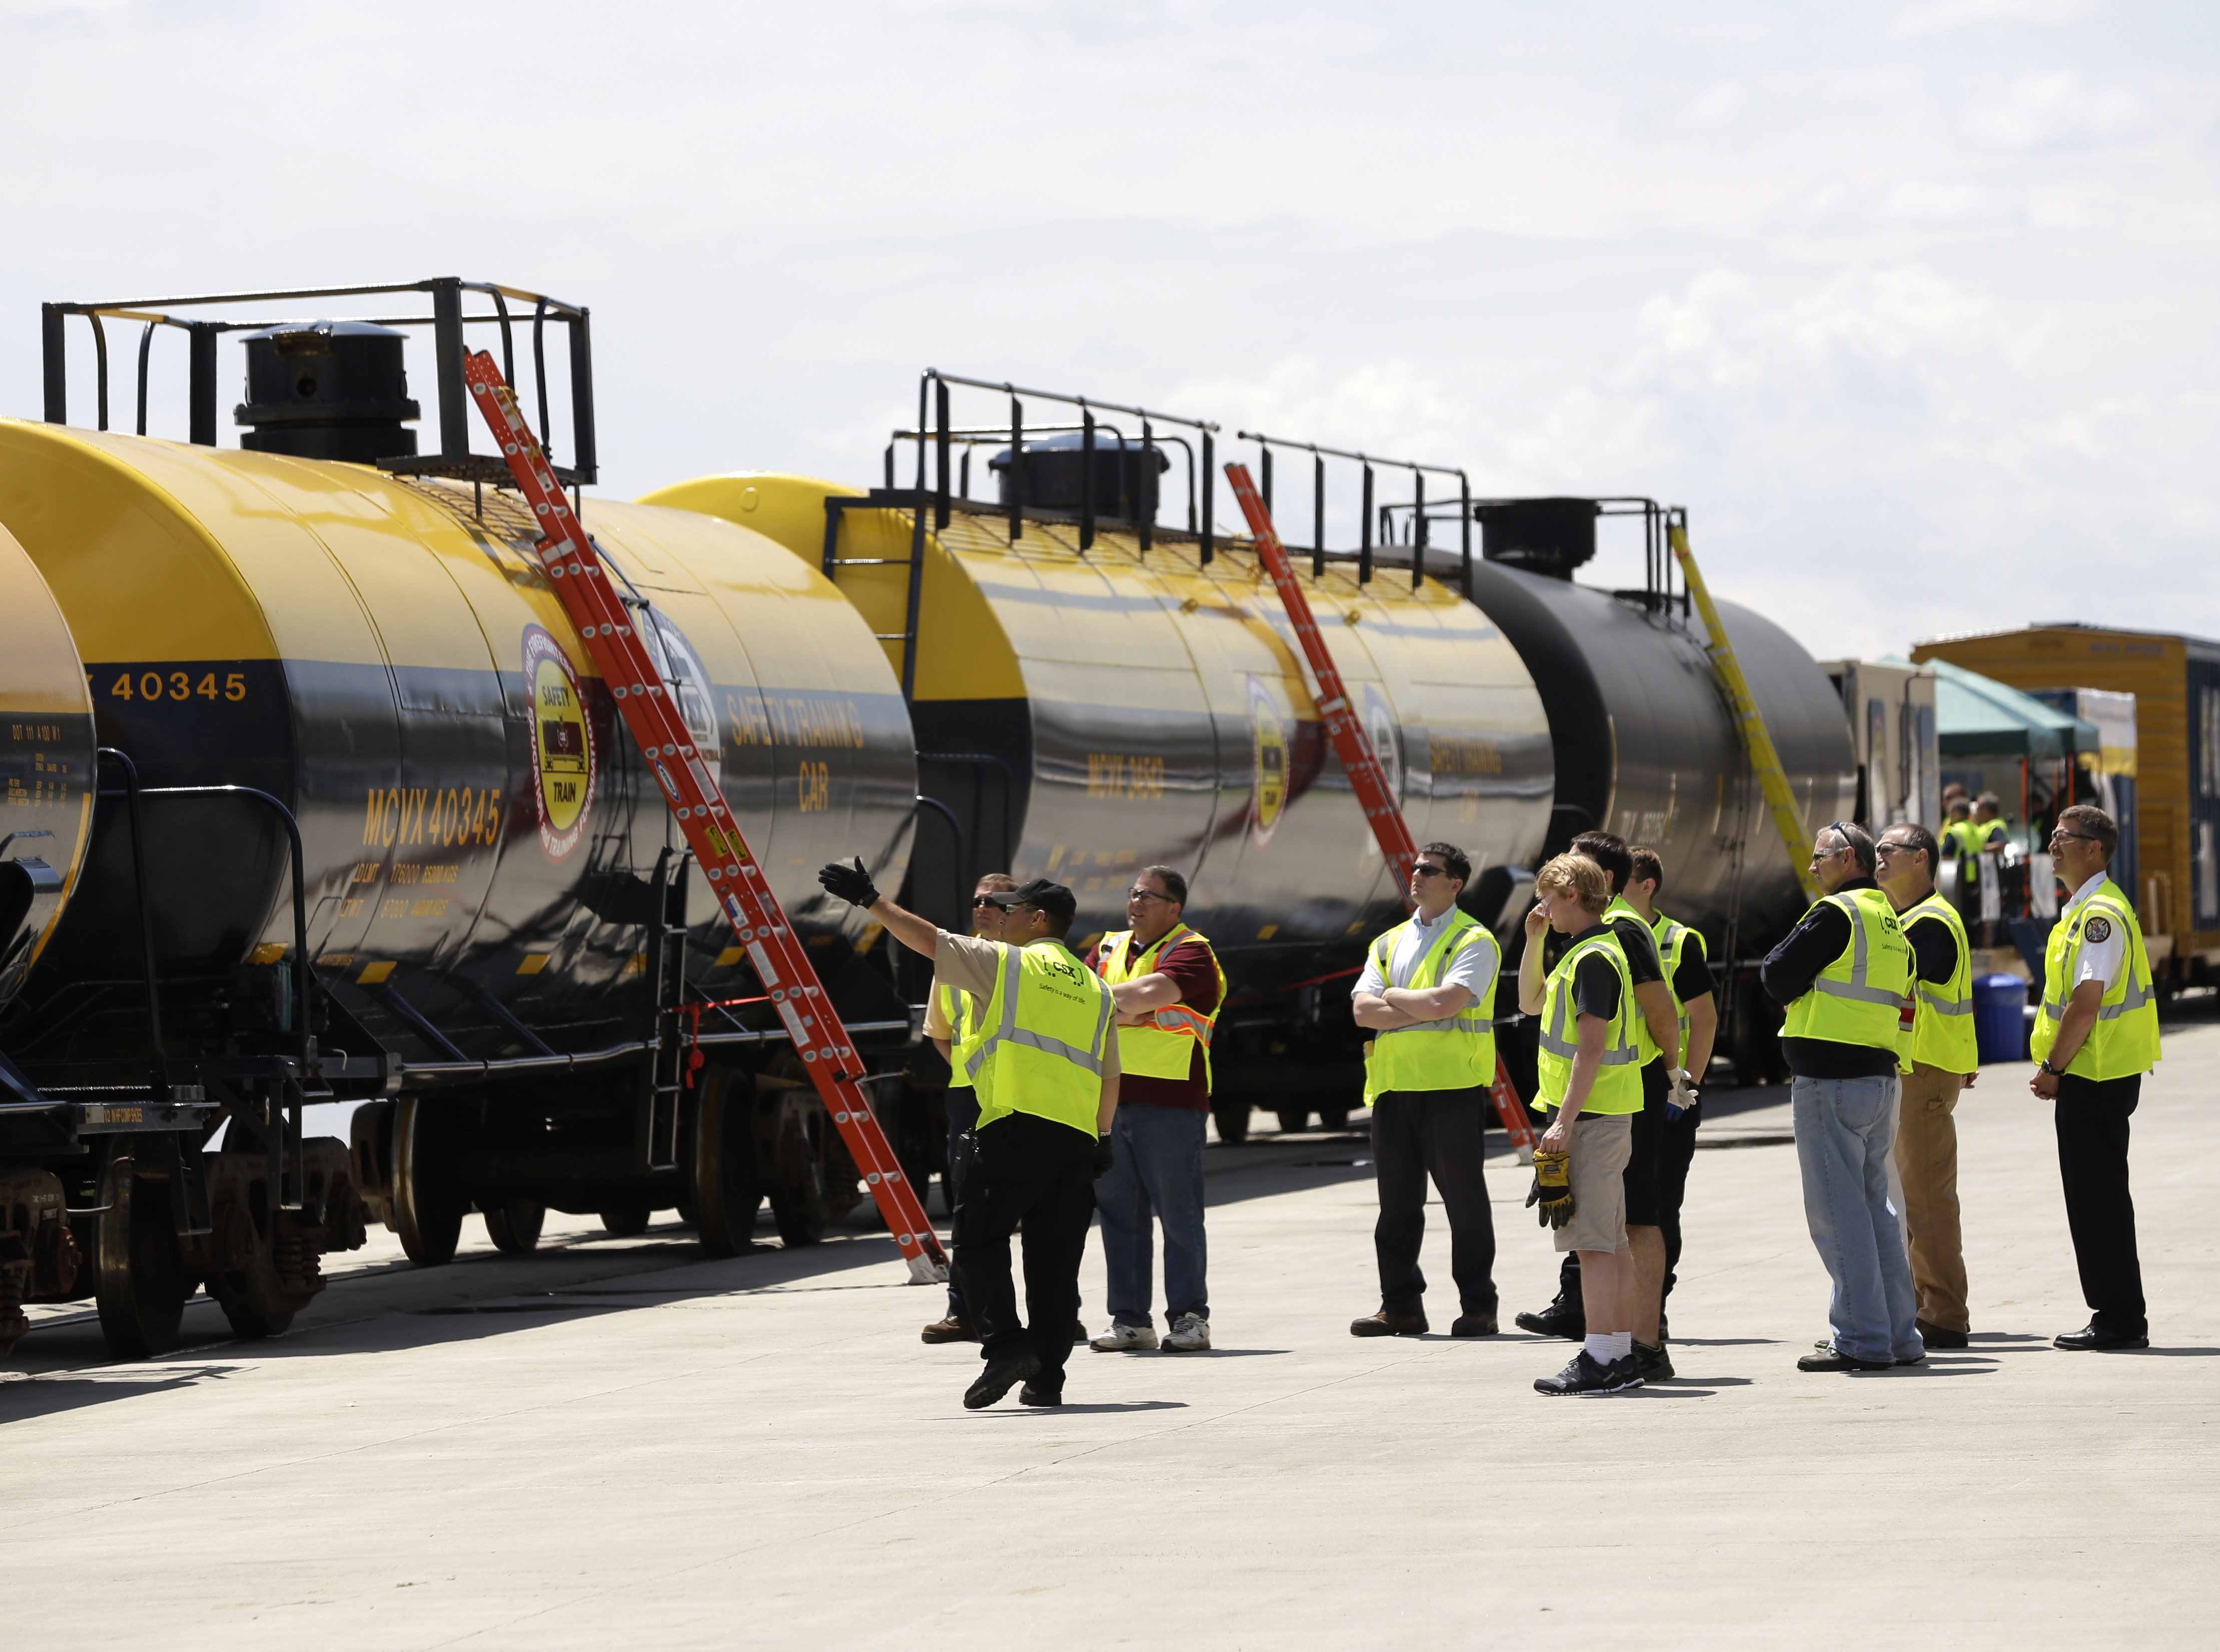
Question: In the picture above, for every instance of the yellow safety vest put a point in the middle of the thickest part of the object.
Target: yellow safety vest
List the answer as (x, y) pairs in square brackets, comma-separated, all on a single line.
[(1672, 941), (961, 1011), (1456, 1053), (1617, 1086), (2124, 1041), (1040, 1043), (1943, 1021), (1165, 1050), (1648, 1045), (1859, 998)]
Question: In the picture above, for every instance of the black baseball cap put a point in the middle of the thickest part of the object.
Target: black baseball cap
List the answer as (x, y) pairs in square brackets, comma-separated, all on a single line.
[(1049, 897)]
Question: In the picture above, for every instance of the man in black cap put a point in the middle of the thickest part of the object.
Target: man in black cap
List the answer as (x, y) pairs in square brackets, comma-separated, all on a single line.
[(1045, 1065)]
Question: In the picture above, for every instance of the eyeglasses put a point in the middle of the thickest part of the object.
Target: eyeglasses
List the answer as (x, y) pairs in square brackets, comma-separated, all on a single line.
[(1137, 893), (2077, 837), (1421, 870)]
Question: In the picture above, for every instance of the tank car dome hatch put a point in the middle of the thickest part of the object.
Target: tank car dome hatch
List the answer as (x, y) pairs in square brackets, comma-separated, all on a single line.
[(1083, 716), (391, 664), (1125, 484), (1543, 536), (46, 764), (328, 390)]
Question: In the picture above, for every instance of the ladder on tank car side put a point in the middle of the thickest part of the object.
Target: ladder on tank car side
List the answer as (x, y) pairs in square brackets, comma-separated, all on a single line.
[(580, 581), (1381, 812)]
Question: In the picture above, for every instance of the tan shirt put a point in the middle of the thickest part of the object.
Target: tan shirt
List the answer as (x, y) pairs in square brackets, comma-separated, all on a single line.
[(969, 965)]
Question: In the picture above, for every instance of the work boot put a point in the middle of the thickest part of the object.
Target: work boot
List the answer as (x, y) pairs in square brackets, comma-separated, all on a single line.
[(1937, 1337), (1033, 1394), (1474, 1324), (999, 1377), (953, 1328), (1384, 1324), (1562, 1318)]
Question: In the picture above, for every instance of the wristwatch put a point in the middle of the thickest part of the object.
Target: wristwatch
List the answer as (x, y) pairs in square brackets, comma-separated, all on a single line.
[(2045, 1067)]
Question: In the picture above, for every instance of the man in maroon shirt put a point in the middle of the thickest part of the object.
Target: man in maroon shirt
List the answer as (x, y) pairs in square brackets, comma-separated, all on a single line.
[(1167, 985)]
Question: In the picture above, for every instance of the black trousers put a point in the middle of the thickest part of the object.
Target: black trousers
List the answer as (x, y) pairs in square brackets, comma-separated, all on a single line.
[(1676, 1150), (1029, 1169), (2092, 1117), (962, 1108), (1415, 1134)]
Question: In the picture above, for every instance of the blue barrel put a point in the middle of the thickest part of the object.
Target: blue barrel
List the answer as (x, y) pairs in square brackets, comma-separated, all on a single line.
[(2000, 1017)]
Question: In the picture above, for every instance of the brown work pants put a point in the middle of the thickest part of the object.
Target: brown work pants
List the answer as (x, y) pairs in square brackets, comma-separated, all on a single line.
[(1927, 1161)]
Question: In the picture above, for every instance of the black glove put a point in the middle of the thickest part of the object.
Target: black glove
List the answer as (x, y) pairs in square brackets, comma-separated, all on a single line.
[(851, 883), (1105, 1156)]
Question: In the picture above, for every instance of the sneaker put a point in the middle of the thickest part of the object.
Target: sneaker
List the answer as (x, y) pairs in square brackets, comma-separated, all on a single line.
[(1560, 1318), (953, 1328), (1655, 1363), (1126, 1340), (999, 1377), (1033, 1394), (1384, 1324), (1474, 1324), (1190, 1333), (1588, 1375)]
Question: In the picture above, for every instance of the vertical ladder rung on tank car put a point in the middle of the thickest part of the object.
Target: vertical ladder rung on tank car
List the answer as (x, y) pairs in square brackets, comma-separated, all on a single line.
[(579, 579), (913, 500)]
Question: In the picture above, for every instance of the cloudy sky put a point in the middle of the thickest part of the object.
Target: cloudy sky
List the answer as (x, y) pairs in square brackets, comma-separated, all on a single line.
[(1913, 303)]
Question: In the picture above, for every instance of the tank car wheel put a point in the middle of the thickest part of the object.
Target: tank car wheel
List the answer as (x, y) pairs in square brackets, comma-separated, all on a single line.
[(1232, 1120), (627, 1221), (253, 1326), (514, 1225), (723, 1179), (1292, 1120), (427, 1212), (142, 1284), (1333, 1118)]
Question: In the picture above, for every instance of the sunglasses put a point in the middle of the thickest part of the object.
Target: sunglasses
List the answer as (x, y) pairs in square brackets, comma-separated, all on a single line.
[(1421, 870), (979, 901)]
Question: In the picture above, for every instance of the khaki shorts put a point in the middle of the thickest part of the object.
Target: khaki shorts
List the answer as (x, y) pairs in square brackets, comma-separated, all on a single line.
[(1602, 1144)]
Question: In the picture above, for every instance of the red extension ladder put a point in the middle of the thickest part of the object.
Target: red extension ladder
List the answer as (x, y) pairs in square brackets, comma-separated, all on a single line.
[(580, 581), (1358, 757)]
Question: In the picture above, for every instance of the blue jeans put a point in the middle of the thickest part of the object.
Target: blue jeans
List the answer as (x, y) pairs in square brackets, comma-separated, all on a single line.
[(1844, 1128), (1157, 1168)]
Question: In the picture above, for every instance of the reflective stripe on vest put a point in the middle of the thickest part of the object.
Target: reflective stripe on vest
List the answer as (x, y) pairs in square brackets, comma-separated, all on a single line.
[(2125, 1039), (961, 1012), (1617, 1086), (1671, 937), (1454, 1053), (1167, 1049), (1031, 1059), (1859, 998), (1619, 908), (1942, 1022)]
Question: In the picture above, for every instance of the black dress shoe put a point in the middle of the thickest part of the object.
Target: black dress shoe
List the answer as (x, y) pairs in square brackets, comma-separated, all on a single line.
[(999, 1377), (1560, 1318), (1031, 1394), (1384, 1324), (1474, 1324), (1832, 1359), (1937, 1336), (2089, 1339)]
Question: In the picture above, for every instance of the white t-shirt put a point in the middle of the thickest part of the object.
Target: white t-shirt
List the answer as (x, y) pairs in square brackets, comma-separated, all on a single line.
[(2099, 959), (1472, 968)]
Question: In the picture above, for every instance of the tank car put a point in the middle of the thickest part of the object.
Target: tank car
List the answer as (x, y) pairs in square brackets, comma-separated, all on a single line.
[(348, 650)]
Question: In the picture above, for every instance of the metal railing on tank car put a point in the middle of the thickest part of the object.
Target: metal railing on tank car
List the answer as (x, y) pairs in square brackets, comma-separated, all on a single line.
[(447, 320), (1415, 510)]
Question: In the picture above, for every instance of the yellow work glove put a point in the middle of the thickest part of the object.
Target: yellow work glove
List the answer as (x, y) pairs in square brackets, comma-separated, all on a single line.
[(1553, 1189)]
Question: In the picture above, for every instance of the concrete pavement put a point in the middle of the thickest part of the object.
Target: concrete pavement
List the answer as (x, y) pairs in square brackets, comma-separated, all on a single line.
[(616, 1444)]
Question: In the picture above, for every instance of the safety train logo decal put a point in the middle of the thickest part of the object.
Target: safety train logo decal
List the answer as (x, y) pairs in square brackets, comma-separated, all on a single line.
[(1268, 743), (562, 744)]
